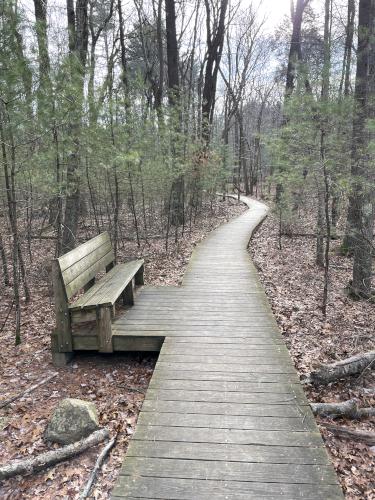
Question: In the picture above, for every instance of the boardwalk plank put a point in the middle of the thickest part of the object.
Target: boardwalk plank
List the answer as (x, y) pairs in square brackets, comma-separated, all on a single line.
[(220, 415), (227, 436), (172, 488), (232, 471), (250, 453)]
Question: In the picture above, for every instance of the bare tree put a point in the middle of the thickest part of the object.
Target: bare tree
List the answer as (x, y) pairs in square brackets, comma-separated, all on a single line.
[(215, 25)]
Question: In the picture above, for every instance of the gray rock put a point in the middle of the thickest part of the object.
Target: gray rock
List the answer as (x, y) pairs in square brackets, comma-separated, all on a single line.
[(3, 422), (72, 420)]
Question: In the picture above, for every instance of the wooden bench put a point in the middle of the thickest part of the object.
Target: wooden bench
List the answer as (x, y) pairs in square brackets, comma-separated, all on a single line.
[(77, 270)]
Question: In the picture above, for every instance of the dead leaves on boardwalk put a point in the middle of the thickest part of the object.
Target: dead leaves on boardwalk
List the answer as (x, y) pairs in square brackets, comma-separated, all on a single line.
[(294, 285)]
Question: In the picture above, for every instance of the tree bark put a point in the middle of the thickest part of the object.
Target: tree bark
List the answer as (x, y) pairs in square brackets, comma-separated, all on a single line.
[(295, 51), (345, 432), (215, 26), (354, 365), (347, 409), (78, 42), (360, 220)]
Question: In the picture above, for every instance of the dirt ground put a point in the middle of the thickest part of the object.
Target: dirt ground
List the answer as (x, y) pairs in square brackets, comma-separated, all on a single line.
[(115, 383), (294, 285)]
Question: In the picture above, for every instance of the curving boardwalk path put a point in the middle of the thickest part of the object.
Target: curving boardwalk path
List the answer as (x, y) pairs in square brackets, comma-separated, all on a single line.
[(225, 416)]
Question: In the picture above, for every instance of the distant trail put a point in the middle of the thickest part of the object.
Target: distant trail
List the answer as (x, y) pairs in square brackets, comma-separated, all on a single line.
[(225, 416)]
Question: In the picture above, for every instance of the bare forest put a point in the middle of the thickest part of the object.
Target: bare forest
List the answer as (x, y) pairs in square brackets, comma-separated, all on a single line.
[(147, 121)]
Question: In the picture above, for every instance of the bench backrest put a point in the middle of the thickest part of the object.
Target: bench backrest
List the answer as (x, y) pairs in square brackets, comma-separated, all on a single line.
[(79, 266)]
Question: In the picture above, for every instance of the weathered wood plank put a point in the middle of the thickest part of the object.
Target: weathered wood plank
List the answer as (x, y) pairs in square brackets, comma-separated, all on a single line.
[(86, 261), (224, 396), (70, 258), (139, 343), (227, 436), (105, 330), (63, 331), (240, 422), (227, 359), (229, 471), (228, 367), (229, 452), (81, 280), (223, 386), (281, 416), (168, 374), (109, 288), (237, 490)]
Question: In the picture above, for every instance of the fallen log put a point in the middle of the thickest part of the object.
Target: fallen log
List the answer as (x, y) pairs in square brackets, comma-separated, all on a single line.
[(44, 460), (27, 391), (354, 365), (360, 436), (85, 493), (348, 409)]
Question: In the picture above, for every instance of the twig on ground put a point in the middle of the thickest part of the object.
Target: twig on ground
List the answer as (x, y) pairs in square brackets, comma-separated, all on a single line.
[(7, 402), (361, 436), (103, 454), (133, 389)]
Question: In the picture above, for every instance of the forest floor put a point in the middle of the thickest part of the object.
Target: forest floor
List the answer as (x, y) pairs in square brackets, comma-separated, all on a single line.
[(294, 285), (115, 383)]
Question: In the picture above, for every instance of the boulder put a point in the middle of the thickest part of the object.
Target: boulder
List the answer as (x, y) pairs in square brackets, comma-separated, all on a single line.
[(72, 420)]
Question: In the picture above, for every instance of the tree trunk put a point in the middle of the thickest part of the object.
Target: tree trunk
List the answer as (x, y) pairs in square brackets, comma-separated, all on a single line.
[(295, 52), (40, 7), (360, 221), (215, 27), (176, 205), (78, 41), (4, 262), (9, 166)]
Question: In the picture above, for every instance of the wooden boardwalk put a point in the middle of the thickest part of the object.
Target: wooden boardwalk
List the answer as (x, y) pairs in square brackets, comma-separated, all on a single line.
[(225, 416)]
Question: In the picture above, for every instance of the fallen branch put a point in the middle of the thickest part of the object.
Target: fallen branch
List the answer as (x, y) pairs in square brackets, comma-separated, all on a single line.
[(27, 391), (360, 436), (132, 389), (348, 409), (44, 460), (105, 451), (350, 366)]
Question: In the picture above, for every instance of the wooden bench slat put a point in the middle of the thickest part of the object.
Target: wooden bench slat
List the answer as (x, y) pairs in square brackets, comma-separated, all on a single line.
[(86, 248), (81, 280), (109, 288), (86, 262)]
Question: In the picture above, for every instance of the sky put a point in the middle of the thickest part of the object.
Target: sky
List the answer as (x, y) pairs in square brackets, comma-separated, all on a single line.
[(273, 10)]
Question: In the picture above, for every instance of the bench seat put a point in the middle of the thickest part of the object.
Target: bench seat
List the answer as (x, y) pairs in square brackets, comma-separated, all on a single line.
[(109, 288)]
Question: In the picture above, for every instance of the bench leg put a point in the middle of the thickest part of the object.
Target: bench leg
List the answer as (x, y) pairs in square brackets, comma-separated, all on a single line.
[(60, 359), (104, 326), (139, 278), (128, 295)]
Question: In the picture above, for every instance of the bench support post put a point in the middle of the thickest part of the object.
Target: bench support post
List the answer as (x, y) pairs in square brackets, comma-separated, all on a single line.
[(139, 279), (62, 336), (104, 327), (128, 294)]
